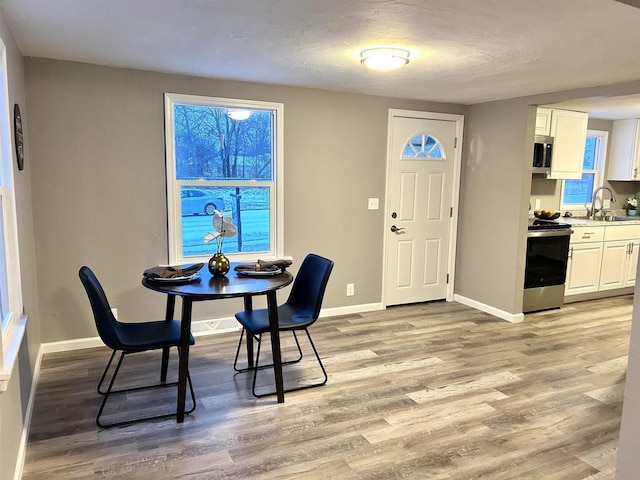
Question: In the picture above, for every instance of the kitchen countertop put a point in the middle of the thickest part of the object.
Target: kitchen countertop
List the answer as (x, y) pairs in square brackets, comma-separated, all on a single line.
[(585, 222), (578, 219)]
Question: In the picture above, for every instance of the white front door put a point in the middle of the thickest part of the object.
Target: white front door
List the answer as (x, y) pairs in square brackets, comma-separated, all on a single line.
[(419, 209)]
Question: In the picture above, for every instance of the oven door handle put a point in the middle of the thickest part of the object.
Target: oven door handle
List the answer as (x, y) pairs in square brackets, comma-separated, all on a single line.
[(549, 233)]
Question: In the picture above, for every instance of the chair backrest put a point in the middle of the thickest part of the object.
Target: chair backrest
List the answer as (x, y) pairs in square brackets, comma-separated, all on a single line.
[(105, 321), (309, 285)]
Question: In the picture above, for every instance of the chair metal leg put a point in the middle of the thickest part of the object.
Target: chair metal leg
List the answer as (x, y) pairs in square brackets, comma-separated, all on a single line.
[(235, 360), (254, 365), (256, 368), (104, 374), (324, 372), (294, 389), (110, 391)]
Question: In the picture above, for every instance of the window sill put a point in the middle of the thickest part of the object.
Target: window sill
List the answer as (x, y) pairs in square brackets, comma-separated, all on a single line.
[(10, 349)]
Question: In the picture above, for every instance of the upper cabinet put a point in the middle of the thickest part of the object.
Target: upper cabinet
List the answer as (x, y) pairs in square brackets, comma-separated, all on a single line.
[(569, 130), (543, 121), (624, 156)]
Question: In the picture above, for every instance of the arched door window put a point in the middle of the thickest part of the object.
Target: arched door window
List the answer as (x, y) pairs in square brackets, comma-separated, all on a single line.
[(424, 145)]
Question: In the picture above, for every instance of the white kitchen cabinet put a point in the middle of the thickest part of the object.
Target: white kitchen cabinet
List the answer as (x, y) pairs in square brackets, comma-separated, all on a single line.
[(602, 258), (615, 264), (624, 155), (619, 257), (585, 260), (583, 268), (569, 130), (619, 264), (543, 121)]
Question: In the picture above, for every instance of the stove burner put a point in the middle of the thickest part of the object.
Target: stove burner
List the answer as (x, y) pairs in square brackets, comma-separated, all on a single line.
[(536, 224)]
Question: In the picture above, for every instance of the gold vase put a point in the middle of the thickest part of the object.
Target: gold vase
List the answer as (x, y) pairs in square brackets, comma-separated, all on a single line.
[(219, 265)]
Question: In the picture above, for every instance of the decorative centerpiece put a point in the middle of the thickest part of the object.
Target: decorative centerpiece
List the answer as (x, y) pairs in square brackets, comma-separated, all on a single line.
[(223, 228), (632, 206)]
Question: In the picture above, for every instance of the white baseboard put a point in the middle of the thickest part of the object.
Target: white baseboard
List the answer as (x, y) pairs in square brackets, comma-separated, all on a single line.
[(92, 342), (496, 312), (26, 426), (351, 309), (68, 345)]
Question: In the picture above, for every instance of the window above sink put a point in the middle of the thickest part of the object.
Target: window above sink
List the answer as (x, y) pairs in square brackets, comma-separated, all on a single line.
[(578, 193)]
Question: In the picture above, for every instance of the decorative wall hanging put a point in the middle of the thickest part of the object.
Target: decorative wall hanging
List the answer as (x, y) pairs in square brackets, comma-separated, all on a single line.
[(17, 126)]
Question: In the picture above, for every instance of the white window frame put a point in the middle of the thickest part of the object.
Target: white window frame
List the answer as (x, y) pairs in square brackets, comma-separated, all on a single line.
[(601, 162), (14, 320), (276, 233)]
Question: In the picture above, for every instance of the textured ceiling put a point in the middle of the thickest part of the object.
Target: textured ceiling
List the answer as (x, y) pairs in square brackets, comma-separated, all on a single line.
[(464, 51)]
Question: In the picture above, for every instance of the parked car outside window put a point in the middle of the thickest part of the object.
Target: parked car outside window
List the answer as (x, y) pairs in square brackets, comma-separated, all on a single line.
[(196, 201)]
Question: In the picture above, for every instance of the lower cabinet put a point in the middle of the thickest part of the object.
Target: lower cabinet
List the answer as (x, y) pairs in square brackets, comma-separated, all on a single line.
[(619, 264), (583, 268), (602, 258)]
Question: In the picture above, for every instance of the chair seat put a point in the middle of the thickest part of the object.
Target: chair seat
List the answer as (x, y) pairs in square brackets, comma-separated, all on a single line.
[(289, 318), (149, 335)]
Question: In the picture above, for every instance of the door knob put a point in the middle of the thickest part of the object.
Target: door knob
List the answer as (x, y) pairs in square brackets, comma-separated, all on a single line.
[(395, 229)]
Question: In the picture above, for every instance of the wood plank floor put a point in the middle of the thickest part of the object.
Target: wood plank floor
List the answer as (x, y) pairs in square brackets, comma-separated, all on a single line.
[(431, 391)]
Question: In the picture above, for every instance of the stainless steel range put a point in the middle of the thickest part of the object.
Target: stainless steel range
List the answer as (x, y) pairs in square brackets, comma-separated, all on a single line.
[(546, 267)]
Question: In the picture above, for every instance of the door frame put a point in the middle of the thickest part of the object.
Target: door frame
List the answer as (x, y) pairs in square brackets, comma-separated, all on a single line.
[(455, 190)]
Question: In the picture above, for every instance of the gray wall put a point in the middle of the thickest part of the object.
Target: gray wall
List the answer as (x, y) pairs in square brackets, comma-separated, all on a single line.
[(99, 184), (13, 402), (491, 225)]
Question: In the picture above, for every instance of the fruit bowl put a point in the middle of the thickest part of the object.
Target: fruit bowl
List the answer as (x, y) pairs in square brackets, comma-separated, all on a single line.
[(547, 215)]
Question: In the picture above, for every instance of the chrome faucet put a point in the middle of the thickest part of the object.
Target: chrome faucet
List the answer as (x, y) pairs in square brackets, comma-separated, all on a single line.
[(592, 213)]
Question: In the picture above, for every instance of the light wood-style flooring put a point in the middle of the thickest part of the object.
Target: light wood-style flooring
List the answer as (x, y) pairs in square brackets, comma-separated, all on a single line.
[(430, 391)]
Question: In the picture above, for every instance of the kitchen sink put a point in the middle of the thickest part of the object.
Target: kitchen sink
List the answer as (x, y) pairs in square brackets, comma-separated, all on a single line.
[(624, 219)]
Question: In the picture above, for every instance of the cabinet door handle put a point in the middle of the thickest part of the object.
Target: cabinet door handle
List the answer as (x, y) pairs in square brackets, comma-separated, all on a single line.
[(570, 252), (631, 248), (635, 172)]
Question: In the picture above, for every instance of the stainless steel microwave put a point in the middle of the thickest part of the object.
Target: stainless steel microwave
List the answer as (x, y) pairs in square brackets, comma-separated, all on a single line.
[(542, 154)]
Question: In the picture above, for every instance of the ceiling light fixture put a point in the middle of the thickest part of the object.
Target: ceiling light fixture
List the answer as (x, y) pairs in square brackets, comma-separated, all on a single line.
[(384, 58), (238, 113)]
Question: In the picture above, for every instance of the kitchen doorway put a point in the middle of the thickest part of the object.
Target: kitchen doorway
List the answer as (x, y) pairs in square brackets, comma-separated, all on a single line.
[(423, 178)]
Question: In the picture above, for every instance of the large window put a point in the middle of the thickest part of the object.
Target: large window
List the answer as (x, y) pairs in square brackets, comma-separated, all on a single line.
[(12, 321), (579, 193), (224, 157)]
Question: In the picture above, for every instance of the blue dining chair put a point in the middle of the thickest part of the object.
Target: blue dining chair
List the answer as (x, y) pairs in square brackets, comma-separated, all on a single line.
[(128, 338), (299, 312)]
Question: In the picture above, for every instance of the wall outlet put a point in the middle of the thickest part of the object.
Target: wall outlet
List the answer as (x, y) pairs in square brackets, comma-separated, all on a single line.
[(115, 312), (538, 202), (350, 289), (374, 203)]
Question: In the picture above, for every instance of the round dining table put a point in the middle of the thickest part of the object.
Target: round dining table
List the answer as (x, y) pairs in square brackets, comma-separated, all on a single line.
[(207, 287)]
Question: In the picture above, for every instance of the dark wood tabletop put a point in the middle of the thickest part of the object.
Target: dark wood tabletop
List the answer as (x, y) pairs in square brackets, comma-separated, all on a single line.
[(233, 284)]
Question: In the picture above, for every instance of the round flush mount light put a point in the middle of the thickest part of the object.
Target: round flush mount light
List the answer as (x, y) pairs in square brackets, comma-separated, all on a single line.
[(384, 58)]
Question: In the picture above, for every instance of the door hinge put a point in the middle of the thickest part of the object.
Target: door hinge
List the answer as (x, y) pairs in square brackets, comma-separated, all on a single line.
[(455, 142), (447, 278), (451, 212)]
